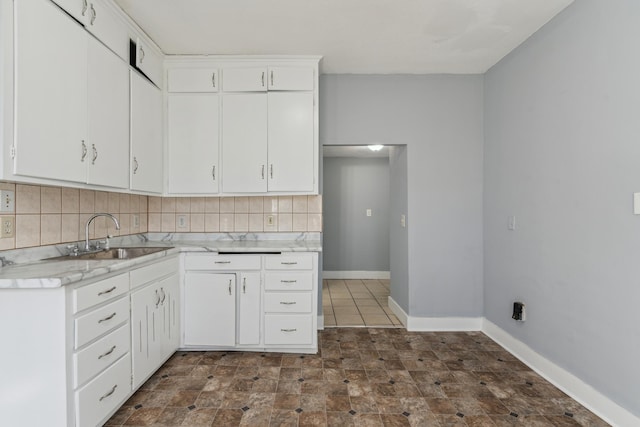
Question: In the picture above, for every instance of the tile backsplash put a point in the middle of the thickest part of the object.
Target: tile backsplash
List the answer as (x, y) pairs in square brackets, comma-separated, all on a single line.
[(46, 215)]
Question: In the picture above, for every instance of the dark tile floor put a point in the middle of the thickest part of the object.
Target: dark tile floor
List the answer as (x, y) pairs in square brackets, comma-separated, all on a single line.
[(362, 377)]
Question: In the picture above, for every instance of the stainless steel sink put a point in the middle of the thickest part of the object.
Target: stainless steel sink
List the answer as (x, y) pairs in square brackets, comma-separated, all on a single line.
[(113, 253)]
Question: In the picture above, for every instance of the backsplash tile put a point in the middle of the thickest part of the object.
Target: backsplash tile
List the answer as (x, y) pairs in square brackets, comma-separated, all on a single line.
[(48, 215)]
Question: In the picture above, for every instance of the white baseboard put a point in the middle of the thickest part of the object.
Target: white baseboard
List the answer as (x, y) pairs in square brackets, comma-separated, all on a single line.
[(320, 322), (580, 391), (341, 275), (432, 324)]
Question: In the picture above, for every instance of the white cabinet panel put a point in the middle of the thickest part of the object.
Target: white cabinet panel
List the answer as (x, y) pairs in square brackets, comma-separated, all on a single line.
[(193, 143), (209, 309), (101, 354), (102, 22), (291, 145), (287, 302), (250, 79), (99, 321), (99, 292), (145, 342), (291, 78), (249, 309), (108, 121), (244, 143), (148, 62), (288, 329), (79, 9), (51, 92), (194, 80), (146, 135), (222, 262)]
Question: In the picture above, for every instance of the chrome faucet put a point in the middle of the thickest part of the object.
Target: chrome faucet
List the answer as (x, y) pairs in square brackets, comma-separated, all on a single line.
[(87, 248)]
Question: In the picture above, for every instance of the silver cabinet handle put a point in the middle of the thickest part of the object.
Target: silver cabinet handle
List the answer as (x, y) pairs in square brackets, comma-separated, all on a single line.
[(157, 299), (263, 79), (213, 172), (271, 78), (213, 79), (287, 302), (229, 286), (164, 296), (109, 317), (107, 353), (288, 281), (109, 393), (288, 330), (84, 7), (95, 154), (84, 151), (262, 171), (271, 170), (141, 54), (107, 291), (222, 262), (135, 165), (289, 262), (244, 285), (93, 14)]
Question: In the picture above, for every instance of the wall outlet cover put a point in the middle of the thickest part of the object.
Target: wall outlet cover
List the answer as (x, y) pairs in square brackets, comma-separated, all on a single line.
[(8, 227)]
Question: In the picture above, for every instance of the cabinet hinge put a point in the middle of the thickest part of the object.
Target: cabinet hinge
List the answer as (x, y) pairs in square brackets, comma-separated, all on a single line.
[(12, 151)]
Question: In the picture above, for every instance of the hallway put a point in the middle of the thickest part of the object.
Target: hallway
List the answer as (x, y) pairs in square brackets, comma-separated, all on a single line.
[(356, 303)]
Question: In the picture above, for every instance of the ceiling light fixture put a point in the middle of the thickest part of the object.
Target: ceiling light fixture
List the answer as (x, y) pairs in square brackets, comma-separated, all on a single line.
[(376, 147)]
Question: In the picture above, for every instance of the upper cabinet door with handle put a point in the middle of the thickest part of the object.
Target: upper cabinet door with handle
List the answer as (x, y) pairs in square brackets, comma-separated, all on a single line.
[(247, 79), (149, 62), (103, 23), (79, 9), (51, 93), (193, 80), (290, 78)]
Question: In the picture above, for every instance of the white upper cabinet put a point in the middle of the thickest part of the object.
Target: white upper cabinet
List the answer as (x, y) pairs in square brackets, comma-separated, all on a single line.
[(291, 78), (149, 62), (245, 79), (193, 126), (244, 143), (108, 118), (291, 145), (79, 9), (146, 135), (193, 80), (50, 94)]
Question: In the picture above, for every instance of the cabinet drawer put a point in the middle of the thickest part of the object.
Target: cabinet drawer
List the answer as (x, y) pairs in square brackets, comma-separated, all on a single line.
[(101, 354), (105, 393), (98, 292), (222, 262), (94, 324), (289, 262), (288, 281), (287, 302), (288, 329), (153, 272), (193, 80)]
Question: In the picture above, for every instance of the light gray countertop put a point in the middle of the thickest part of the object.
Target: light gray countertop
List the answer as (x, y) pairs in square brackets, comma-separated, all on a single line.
[(31, 268)]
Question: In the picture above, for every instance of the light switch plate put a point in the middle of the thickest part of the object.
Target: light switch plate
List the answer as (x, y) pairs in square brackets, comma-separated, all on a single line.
[(636, 203)]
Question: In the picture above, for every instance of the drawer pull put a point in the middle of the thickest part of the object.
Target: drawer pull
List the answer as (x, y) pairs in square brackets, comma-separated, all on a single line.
[(229, 286), (108, 291), (222, 262), (289, 262), (288, 281), (107, 353), (288, 330), (111, 316), (287, 302), (109, 393), (164, 296)]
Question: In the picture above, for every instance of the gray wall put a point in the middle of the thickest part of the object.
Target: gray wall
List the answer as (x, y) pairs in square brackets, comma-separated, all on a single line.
[(562, 154), (352, 241), (398, 236), (440, 120)]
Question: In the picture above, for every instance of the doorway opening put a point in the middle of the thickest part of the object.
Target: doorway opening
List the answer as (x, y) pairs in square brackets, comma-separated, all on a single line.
[(357, 233)]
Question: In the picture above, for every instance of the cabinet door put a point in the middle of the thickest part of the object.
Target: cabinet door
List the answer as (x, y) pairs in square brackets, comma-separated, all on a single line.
[(244, 143), (193, 143), (209, 309), (107, 27), (146, 135), (148, 62), (79, 9), (143, 344), (244, 79), (167, 321), (249, 309), (108, 121), (194, 80), (291, 144), (51, 92), (290, 78)]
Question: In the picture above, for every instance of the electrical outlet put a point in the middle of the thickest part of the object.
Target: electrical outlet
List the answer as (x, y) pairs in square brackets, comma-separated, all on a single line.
[(136, 221), (403, 221), (8, 224), (369, 213), (182, 222)]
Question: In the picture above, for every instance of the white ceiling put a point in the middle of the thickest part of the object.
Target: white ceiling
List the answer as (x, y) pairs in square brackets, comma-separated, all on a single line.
[(354, 36)]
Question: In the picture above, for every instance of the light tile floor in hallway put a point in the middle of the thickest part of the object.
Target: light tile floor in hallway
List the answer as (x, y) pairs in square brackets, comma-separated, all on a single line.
[(357, 303)]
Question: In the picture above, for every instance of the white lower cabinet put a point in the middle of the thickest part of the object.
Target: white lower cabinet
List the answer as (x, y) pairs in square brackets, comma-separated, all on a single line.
[(251, 302)]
